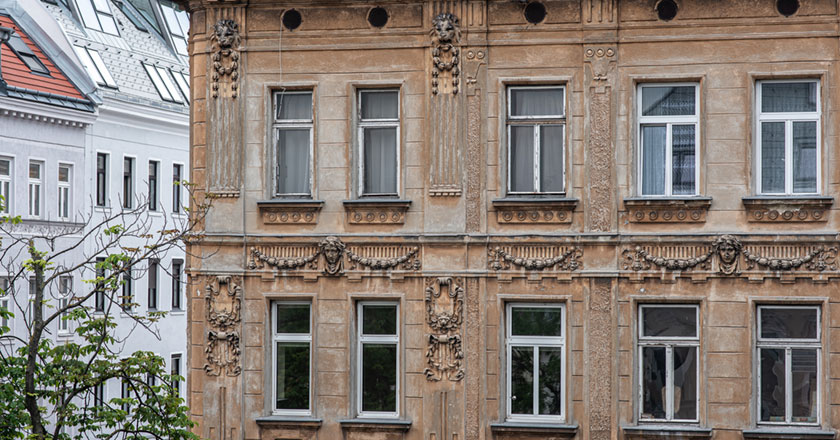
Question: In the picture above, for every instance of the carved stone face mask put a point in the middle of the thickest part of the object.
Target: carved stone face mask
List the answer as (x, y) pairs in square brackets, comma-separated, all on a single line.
[(445, 30), (225, 34)]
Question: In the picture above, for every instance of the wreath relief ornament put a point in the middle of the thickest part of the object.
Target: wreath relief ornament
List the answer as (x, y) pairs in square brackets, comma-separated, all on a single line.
[(225, 58), (446, 34)]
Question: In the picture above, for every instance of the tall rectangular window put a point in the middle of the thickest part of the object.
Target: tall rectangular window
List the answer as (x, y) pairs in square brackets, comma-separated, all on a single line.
[(127, 297), (293, 143), (128, 182), (536, 362), (65, 289), (669, 339), (101, 179), (292, 354), (125, 393), (99, 296), (5, 295), (788, 136), (95, 66), (178, 24), (6, 185), (36, 187), (99, 394), (32, 287), (668, 135), (177, 175), (378, 359), (96, 14), (154, 168), (154, 266), (379, 134), (175, 370), (788, 353), (64, 196), (177, 269), (536, 123)]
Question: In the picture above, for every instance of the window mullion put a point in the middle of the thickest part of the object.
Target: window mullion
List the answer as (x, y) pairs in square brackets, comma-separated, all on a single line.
[(788, 384), (536, 384), (669, 160), (537, 158), (669, 382), (789, 156)]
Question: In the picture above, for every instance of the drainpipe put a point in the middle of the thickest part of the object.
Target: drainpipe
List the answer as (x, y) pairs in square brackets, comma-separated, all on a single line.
[(5, 34)]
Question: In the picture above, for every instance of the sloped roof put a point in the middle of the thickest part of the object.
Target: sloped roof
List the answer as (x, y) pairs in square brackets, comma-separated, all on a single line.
[(53, 89)]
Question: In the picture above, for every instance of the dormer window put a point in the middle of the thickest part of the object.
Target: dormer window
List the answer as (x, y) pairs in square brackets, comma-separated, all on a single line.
[(97, 15), (25, 53)]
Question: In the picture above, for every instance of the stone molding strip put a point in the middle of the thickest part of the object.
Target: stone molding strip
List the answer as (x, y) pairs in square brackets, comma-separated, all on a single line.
[(376, 211), (555, 210), (767, 209), (667, 210), (289, 211)]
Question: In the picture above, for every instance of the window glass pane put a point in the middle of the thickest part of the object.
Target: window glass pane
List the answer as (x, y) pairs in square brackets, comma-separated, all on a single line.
[(292, 375), (380, 160), (772, 384), (34, 170), (522, 158), (803, 365), (183, 84), (805, 157), (551, 380), (379, 320), (536, 321), (653, 159), (84, 57), (294, 106), (380, 105), (551, 158), (773, 157), (292, 318), (685, 383), (63, 174), (536, 102), (792, 323), (682, 148), (522, 380), (102, 5), (158, 82), (653, 383), (789, 97), (669, 321), (379, 377), (100, 67), (293, 161), (88, 14), (5, 167), (108, 24), (171, 20), (167, 82), (668, 101)]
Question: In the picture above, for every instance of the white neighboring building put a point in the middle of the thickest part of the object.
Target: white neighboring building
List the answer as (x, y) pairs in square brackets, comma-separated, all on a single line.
[(124, 139)]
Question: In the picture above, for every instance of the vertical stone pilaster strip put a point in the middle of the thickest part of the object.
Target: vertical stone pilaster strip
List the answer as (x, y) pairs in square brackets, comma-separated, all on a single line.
[(475, 369), (600, 207), (599, 346), (474, 158)]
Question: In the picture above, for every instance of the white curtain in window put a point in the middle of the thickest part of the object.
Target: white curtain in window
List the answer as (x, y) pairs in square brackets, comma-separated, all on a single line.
[(380, 161), (805, 157), (536, 102), (380, 105), (551, 158), (668, 101), (682, 149), (653, 159), (789, 97), (772, 157), (293, 161), (295, 106), (522, 158)]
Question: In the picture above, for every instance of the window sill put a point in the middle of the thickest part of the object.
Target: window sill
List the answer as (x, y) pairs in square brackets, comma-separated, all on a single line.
[(374, 425), (667, 209), (380, 211), (289, 211), (275, 421), (788, 433), (532, 429), (772, 209), (660, 431), (551, 210)]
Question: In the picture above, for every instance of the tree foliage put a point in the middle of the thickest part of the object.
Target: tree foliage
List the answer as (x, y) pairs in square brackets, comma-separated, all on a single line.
[(50, 387)]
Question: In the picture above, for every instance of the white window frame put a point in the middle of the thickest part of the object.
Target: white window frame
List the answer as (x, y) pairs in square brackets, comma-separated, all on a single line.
[(65, 192), (7, 187), (788, 118), (154, 204), (105, 176), (788, 344), (290, 337), (669, 122), (362, 124), (668, 342), (127, 292), (36, 187), (100, 394), (280, 124), (176, 277), (535, 342), (361, 340), (95, 66), (178, 188), (535, 121), (180, 363), (65, 292), (99, 13), (5, 299), (99, 297), (128, 194), (153, 288)]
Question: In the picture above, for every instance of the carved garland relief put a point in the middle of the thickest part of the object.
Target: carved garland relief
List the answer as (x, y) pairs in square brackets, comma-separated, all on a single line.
[(444, 314), (223, 315), (561, 258), (446, 34), (225, 56)]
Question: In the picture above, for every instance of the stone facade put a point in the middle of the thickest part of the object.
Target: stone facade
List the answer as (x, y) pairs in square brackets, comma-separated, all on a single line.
[(454, 248)]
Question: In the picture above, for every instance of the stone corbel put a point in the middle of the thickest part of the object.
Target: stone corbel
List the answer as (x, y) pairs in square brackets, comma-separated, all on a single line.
[(296, 212), (670, 210), (553, 210), (376, 211), (768, 209)]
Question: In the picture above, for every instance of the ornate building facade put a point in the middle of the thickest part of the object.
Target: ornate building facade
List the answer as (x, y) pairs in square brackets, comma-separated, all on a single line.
[(495, 219)]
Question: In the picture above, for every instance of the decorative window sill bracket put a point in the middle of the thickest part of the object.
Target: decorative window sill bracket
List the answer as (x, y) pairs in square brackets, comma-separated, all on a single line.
[(533, 430), (667, 210), (774, 209), (289, 211), (376, 211), (670, 432), (276, 421), (551, 210)]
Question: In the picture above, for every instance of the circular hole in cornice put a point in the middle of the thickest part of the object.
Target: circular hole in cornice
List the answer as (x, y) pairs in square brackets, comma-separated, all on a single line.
[(378, 17), (787, 7), (292, 19), (666, 10), (535, 12)]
